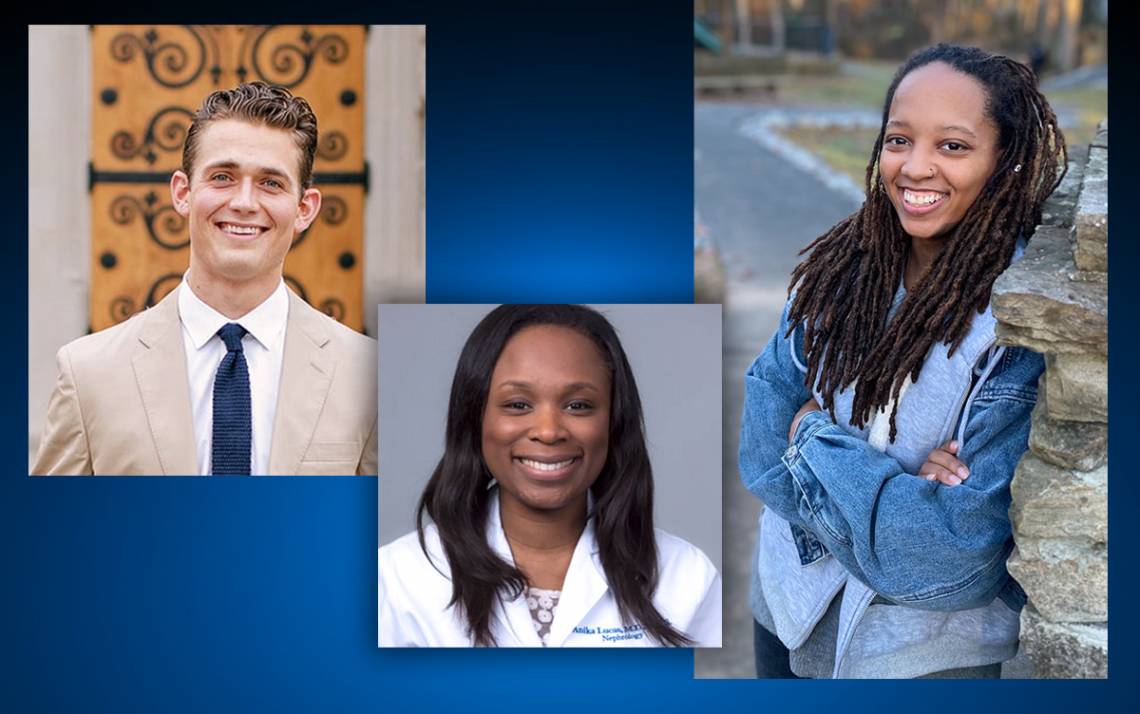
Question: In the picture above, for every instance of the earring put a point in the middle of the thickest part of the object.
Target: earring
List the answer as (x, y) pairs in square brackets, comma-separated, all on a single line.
[(1017, 169)]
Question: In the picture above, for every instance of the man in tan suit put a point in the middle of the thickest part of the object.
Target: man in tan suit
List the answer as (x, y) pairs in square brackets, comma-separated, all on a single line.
[(231, 373)]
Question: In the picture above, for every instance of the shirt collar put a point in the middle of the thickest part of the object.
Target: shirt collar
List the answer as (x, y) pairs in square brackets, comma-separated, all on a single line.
[(265, 323)]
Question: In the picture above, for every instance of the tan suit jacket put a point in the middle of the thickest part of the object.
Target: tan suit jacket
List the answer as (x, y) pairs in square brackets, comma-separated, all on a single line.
[(121, 405)]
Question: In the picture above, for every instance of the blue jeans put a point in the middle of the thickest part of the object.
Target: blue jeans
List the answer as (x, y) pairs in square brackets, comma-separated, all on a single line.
[(771, 655)]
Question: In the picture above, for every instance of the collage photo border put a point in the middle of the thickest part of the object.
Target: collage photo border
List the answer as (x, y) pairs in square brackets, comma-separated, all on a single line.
[(565, 143)]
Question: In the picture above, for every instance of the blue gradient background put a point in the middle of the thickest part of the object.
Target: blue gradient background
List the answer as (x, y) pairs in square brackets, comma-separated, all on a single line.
[(559, 169)]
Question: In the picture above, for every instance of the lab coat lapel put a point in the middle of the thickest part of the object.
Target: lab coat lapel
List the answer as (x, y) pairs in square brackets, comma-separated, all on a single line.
[(159, 361), (306, 375), (515, 623), (584, 586)]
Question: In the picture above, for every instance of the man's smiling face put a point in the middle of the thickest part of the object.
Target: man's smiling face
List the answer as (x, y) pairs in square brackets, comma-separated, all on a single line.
[(244, 202)]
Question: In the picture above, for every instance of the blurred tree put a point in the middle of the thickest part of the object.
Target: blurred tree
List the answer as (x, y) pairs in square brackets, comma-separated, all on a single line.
[(1071, 11), (779, 31), (744, 23), (936, 21), (827, 39)]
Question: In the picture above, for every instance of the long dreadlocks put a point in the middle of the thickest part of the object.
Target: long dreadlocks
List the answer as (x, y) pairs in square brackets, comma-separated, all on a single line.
[(845, 287)]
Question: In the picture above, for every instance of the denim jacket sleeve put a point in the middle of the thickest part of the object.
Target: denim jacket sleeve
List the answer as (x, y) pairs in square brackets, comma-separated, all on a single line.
[(914, 541), (774, 391)]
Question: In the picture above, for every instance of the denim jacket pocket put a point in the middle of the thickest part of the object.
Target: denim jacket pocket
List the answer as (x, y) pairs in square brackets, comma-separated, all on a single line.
[(1015, 392), (810, 549), (1015, 379)]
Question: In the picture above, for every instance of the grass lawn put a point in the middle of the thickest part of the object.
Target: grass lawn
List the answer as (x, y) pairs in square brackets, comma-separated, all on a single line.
[(846, 150), (864, 87), (1090, 106)]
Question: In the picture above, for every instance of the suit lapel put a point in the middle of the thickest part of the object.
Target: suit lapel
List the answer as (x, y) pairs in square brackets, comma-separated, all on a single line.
[(158, 364), (306, 375)]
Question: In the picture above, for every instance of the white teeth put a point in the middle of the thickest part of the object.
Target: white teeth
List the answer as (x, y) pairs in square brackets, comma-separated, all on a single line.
[(240, 230), (921, 199), (542, 466)]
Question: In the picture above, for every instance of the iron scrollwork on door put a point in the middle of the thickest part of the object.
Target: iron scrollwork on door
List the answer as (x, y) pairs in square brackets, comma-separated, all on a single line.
[(123, 306), (166, 131), (161, 288), (334, 210), (125, 208), (289, 64), (296, 286), (334, 308), (169, 63), (332, 145)]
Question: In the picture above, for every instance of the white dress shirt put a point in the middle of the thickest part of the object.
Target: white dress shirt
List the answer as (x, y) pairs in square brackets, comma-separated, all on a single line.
[(264, 347)]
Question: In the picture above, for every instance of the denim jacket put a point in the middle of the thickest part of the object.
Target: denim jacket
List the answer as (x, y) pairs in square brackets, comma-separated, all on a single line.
[(911, 541)]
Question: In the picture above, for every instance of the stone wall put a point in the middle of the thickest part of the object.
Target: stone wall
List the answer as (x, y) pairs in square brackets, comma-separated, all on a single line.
[(1055, 301)]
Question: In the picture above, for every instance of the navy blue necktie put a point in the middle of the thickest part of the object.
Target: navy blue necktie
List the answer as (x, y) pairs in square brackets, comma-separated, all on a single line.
[(232, 430)]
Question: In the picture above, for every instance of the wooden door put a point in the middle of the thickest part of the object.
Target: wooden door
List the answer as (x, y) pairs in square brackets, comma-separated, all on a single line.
[(148, 81)]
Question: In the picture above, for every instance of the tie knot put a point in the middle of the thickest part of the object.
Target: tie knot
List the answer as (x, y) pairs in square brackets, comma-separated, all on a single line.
[(231, 333)]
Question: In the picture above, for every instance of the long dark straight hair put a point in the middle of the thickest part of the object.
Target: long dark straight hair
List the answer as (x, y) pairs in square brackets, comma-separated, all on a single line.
[(457, 497), (844, 289)]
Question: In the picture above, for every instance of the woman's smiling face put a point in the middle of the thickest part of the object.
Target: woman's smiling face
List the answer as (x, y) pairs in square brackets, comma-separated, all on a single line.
[(547, 419), (939, 149)]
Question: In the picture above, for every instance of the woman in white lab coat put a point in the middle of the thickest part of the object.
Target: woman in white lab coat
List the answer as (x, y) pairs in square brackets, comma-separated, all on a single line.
[(541, 509)]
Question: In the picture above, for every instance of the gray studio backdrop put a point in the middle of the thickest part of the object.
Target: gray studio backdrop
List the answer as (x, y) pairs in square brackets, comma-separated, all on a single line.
[(675, 351)]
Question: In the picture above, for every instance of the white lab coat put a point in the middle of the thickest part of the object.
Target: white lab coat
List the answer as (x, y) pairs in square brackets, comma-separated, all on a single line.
[(414, 596)]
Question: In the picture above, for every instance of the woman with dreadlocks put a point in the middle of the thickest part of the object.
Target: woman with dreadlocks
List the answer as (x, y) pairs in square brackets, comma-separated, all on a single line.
[(882, 423)]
